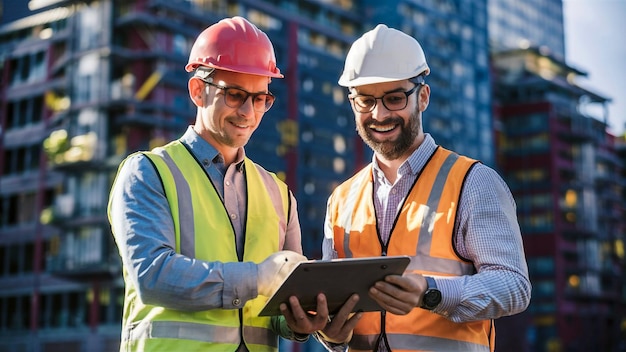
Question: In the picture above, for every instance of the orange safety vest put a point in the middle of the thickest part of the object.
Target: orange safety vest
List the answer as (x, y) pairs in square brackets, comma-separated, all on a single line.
[(424, 230)]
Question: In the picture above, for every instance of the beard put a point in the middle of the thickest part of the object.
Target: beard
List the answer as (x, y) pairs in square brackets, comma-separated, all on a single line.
[(392, 149)]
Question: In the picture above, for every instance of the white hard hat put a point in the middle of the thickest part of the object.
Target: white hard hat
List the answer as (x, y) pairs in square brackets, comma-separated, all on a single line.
[(383, 55)]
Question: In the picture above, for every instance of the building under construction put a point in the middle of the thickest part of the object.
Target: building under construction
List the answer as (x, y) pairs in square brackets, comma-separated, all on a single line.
[(85, 83), (565, 173)]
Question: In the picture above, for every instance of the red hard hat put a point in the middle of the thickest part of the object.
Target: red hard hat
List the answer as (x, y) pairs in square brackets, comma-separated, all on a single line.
[(234, 44)]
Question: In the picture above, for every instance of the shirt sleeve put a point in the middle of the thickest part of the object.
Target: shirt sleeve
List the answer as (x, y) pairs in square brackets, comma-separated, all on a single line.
[(487, 234), (143, 228), (279, 326), (328, 243)]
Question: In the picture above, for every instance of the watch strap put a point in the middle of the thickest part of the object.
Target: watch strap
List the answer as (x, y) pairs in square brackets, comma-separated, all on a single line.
[(432, 295), (431, 283)]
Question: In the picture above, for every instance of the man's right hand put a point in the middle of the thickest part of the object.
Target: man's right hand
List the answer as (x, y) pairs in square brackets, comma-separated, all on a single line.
[(274, 269), (339, 329)]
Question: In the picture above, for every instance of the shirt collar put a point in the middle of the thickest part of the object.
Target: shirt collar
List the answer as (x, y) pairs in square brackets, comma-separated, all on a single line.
[(205, 152), (415, 162)]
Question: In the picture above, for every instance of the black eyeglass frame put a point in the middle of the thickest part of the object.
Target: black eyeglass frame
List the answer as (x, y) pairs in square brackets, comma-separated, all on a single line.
[(419, 82), (268, 102)]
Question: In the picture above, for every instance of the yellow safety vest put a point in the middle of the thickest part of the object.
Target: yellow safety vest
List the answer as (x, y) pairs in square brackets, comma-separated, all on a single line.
[(423, 230), (204, 232)]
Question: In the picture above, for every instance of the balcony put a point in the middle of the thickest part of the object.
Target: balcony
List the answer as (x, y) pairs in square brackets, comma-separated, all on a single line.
[(86, 254), (577, 231), (72, 154), (574, 128), (70, 211), (566, 166)]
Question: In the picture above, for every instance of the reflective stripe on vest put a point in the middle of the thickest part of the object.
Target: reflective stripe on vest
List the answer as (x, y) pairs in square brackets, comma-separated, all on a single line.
[(423, 230), (197, 332), (210, 237), (407, 342)]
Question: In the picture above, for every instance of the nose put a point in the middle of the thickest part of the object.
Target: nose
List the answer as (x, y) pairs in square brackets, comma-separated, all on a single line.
[(247, 107), (380, 110)]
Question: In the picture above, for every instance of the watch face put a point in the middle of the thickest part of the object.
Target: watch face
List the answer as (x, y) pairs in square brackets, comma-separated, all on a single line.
[(432, 298)]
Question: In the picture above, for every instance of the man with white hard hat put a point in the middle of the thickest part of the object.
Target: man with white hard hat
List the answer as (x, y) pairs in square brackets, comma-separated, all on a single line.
[(454, 216)]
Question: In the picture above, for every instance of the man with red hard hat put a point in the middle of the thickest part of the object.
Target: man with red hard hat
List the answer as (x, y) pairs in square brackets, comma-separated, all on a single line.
[(204, 233)]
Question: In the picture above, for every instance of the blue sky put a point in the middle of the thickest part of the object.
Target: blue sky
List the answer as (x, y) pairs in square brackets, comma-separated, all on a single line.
[(595, 42)]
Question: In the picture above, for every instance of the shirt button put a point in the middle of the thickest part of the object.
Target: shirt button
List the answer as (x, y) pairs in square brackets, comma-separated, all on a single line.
[(205, 162), (233, 216), (227, 183), (236, 302)]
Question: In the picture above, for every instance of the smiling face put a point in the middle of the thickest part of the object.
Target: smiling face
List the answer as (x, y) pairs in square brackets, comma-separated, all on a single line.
[(393, 135), (226, 128)]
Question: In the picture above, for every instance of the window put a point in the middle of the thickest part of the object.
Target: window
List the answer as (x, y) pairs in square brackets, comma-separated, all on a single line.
[(17, 114), (16, 310), (90, 27), (541, 266), (29, 68), (21, 160), (63, 309), (13, 261), (543, 289)]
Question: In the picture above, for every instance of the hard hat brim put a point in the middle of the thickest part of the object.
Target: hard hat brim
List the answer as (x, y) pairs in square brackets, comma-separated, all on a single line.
[(361, 81), (364, 80), (245, 70)]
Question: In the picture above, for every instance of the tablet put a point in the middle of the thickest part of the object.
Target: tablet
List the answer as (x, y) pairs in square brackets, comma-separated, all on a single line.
[(338, 279)]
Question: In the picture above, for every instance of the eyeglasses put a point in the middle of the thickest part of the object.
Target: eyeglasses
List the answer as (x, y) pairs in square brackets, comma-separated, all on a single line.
[(392, 101), (235, 97)]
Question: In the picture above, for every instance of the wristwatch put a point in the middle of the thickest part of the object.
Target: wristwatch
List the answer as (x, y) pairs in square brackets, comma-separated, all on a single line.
[(432, 296)]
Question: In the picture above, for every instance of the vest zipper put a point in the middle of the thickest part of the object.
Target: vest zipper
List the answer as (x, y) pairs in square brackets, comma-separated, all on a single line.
[(382, 338)]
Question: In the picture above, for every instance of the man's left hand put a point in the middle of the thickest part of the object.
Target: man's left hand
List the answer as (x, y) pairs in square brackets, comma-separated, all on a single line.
[(399, 294)]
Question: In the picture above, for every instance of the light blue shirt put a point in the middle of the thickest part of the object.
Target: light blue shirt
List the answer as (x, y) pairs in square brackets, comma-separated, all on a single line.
[(144, 231), (486, 233)]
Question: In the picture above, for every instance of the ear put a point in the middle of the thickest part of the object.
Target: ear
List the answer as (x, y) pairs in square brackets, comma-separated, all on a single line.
[(424, 97), (196, 91)]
